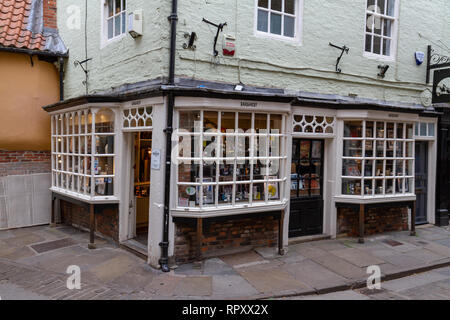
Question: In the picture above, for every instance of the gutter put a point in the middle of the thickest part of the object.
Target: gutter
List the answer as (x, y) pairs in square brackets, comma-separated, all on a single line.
[(173, 18), (34, 52)]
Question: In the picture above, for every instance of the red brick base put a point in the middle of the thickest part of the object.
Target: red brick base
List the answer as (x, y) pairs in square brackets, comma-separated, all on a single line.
[(225, 236), (106, 218), (24, 162), (377, 220)]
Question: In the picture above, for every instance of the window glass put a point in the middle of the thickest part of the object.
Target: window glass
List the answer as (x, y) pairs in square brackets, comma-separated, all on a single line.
[(241, 172), (278, 18), (380, 21), (386, 152)]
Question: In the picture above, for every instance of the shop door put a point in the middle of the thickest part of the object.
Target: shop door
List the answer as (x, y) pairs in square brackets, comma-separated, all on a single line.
[(140, 207), (306, 213), (421, 182)]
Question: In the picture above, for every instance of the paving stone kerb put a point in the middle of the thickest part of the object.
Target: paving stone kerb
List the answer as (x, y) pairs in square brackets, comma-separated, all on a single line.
[(110, 273)]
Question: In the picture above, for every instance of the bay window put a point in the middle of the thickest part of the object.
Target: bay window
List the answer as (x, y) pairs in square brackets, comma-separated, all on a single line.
[(378, 159), (230, 159), (83, 154)]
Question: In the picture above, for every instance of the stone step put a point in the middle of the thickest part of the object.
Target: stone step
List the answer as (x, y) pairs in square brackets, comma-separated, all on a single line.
[(136, 248)]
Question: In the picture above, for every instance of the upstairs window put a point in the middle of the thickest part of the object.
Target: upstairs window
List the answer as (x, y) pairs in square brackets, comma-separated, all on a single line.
[(115, 18), (279, 18), (381, 25)]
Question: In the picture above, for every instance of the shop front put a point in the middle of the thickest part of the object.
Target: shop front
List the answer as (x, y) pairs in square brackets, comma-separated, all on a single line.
[(244, 173)]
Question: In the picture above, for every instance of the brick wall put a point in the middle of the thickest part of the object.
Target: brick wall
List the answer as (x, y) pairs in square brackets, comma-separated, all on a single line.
[(50, 14), (377, 220), (225, 236), (24, 162), (106, 218)]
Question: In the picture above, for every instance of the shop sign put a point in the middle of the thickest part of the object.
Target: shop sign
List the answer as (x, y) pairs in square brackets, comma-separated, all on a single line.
[(441, 86)]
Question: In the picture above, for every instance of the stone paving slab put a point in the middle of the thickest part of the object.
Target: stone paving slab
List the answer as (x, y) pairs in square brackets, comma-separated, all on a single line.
[(194, 287), (340, 266), (271, 280), (358, 257), (406, 283), (228, 286), (314, 275)]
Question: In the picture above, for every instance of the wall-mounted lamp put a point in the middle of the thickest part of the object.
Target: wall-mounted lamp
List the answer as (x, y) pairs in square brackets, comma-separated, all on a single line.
[(383, 70)]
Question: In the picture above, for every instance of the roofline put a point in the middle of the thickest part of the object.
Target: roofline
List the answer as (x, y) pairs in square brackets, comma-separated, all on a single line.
[(195, 88), (34, 52)]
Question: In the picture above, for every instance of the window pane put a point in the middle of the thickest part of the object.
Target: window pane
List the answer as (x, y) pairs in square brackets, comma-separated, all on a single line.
[(386, 47), (351, 187), (190, 121), (228, 122), (399, 149), (273, 190), (187, 196), (399, 168), (110, 8), (124, 21), (369, 148), (104, 121), (276, 5), (379, 188), (352, 148), (390, 149), (379, 168), (210, 121), (389, 168), (390, 131), (209, 195), (387, 27), (368, 168), (376, 45), (188, 172), (409, 167), (225, 194), (369, 23), (390, 8), (243, 171), (118, 6), (104, 166), (353, 129), (209, 171), (104, 187), (368, 43), (351, 168), (124, 4), (276, 122), (261, 123), (104, 144), (381, 6), (389, 186), (275, 23), (289, 6), (117, 25), (370, 129), (431, 129), (399, 130), (289, 26), (242, 193), (244, 122), (409, 131), (263, 3), (259, 194), (226, 172), (263, 21), (409, 149), (371, 5), (423, 129), (368, 187)]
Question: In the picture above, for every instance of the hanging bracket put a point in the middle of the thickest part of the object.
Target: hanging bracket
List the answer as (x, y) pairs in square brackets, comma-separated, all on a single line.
[(219, 28), (344, 49)]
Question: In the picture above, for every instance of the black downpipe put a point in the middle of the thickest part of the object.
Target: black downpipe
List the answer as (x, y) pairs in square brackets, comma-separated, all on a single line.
[(61, 79), (173, 18)]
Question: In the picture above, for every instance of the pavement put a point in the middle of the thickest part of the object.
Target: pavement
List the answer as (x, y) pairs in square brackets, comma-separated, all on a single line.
[(34, 263), (431, 285)]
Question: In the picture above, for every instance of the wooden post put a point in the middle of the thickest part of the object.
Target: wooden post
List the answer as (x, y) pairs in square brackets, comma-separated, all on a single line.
[(361, 223), (91, 244), (199, 238), (53, 220), (413, 219), (280, 234)]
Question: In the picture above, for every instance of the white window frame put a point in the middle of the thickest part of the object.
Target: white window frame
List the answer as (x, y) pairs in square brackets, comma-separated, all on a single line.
[(104, 32), (63, 159), (298, 23), (394, 35), (363, 158), (232, 207)]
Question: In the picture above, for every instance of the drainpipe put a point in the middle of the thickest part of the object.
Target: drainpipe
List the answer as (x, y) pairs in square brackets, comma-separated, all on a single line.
[(173, 18), (61, 79)]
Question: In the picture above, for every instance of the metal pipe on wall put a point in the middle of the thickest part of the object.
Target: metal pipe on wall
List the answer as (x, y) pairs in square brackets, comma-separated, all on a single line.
[(173, 18)]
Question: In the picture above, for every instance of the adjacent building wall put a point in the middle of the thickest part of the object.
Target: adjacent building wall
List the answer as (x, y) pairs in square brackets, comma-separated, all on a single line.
[(24, 90), (308, 65)]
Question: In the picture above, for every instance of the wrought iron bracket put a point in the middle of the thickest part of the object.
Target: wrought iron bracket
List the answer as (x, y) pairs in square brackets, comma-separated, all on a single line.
[(192, 38), (219, 29), (343, 49)]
